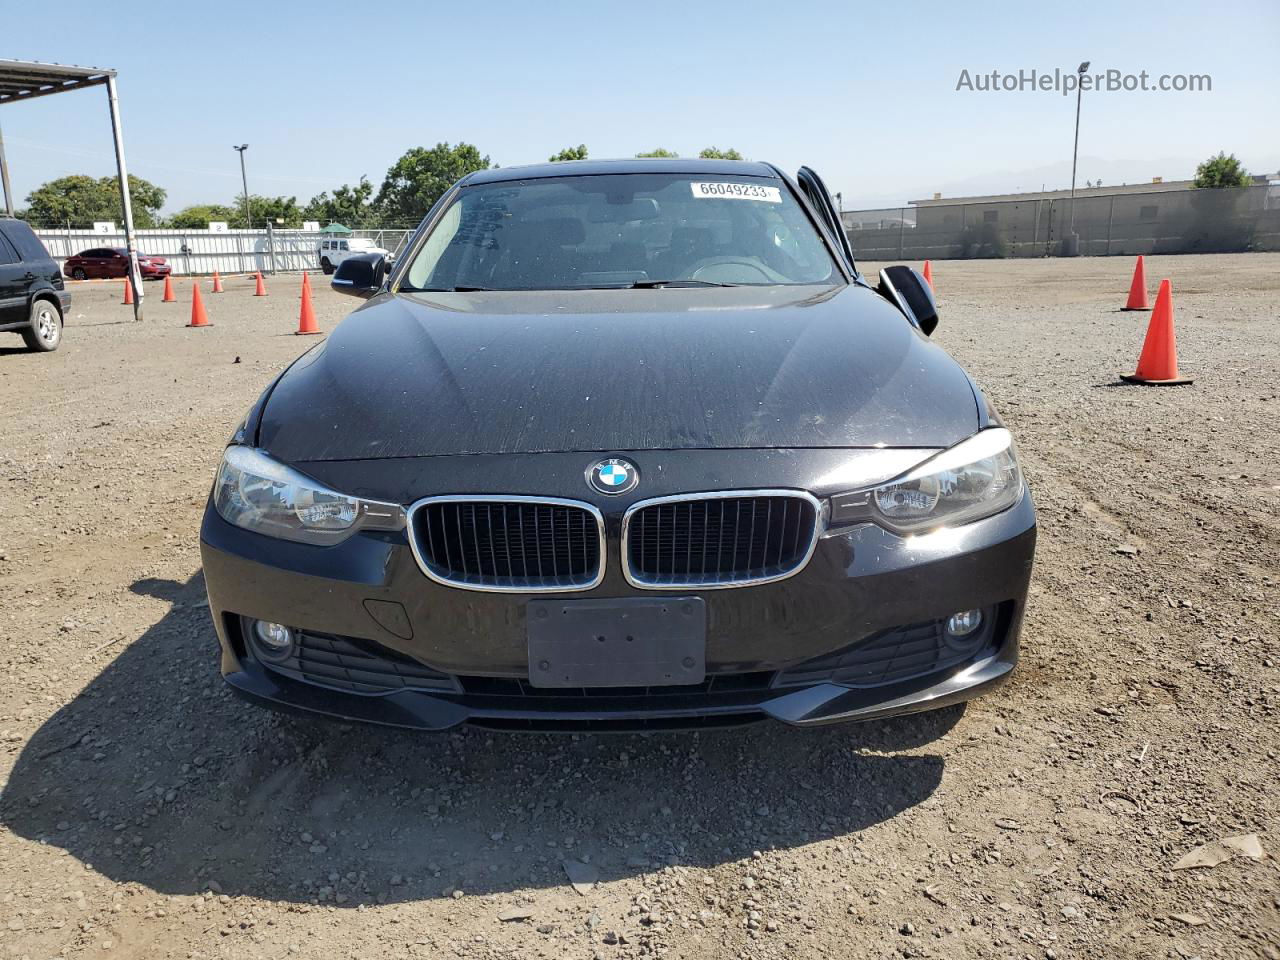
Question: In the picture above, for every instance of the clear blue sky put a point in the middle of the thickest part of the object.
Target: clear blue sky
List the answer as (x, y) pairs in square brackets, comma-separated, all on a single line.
[(866, 93)]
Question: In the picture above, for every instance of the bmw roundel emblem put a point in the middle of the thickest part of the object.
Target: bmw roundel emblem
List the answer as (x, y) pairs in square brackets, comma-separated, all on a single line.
[(613, 476)]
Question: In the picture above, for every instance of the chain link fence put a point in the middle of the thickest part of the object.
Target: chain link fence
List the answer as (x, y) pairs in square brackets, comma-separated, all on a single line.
[(230, 251), (1181, 221)]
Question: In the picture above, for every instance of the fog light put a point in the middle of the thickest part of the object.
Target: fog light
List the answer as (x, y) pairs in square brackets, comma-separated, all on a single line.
[(964, 623), (273, 640)]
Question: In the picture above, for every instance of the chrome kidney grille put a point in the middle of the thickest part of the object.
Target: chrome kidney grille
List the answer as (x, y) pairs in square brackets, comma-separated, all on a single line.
[(508, 544), (709, 540)]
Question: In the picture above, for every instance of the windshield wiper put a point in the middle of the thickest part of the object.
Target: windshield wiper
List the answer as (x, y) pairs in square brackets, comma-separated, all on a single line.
[(655, 284), (458, 289), (636, 285)]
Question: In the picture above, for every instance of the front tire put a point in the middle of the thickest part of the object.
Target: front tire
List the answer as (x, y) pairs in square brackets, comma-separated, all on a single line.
[(78, 273), (45, 333), (326, 267)]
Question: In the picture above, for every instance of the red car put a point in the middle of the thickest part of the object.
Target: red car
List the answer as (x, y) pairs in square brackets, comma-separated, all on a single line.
[(111, 263)]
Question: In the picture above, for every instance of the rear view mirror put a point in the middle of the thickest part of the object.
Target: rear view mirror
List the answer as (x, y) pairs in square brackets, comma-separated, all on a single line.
[(360, 275), (910, 292), (624, 210)]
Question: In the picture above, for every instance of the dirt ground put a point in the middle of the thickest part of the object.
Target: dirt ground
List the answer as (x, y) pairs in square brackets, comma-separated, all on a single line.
[(145, 812)]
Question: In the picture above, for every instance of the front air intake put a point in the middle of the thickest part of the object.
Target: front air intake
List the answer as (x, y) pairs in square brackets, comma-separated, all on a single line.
[(509, 544), (709, 540)]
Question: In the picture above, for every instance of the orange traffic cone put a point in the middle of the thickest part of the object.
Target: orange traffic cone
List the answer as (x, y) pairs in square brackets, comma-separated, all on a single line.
[(1158, 364), (928, 276), (168, 291), (198, 318), (261, 289), (307, 315), (128, 291), (1138, 288), (217, 282), (306, 282)]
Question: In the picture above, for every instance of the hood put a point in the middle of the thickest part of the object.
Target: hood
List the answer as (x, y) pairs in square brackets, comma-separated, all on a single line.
[(616, 370)]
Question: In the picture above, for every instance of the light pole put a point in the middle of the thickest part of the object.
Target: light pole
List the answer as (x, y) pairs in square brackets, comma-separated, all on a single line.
[(1074, 241), (248, 213)]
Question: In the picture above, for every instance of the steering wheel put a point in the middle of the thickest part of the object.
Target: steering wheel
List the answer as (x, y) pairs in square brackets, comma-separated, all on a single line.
[(708, 263)]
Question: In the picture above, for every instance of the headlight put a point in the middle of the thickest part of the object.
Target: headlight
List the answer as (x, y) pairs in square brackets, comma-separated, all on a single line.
[(976, 478), (257, 493)]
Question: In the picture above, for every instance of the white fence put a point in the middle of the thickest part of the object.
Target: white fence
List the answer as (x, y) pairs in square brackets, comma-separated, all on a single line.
[(231, 251)]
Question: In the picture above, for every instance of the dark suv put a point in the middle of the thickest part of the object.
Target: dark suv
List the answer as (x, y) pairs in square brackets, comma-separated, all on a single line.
[(33, 300)]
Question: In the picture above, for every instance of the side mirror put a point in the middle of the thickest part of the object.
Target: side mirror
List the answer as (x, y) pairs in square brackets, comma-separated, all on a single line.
[(360, 275), (910, 292)]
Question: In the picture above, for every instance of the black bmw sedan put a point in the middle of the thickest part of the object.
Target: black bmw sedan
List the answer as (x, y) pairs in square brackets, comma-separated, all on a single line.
[(621, 445)]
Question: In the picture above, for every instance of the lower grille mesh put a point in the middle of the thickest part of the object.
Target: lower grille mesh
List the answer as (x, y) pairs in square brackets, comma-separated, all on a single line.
[(358, 666), (888, 657), (714, 685)]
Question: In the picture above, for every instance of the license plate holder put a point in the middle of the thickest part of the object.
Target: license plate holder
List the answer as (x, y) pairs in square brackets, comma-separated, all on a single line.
[(618, 642)]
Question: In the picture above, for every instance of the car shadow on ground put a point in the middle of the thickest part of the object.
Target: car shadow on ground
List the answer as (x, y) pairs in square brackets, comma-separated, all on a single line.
[(155, 774)]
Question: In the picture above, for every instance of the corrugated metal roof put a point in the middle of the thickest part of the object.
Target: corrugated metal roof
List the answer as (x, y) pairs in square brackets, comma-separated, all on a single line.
[(28, 79)]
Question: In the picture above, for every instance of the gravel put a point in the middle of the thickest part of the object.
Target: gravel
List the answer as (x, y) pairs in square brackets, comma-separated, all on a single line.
[(143, 807)]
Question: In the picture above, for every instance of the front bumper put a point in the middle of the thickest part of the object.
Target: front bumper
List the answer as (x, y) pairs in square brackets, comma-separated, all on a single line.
[(815, 705), (861, 583)]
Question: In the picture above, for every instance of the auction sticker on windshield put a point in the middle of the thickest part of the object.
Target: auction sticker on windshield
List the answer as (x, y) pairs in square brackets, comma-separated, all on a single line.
[(736, 191)]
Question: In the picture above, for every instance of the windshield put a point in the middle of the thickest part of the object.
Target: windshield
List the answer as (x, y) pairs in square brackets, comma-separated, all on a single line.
[(621, 230)]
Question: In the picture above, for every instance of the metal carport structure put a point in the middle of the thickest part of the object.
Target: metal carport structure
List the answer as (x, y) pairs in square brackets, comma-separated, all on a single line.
[(27, 79)]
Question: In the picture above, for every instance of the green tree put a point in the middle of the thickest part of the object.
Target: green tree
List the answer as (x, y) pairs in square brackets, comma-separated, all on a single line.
[(420, 177), (198, 217), (281, 211), (570, 153), (1224, 170), (715, 153), (658, 152), (348, 205), (80, 200)]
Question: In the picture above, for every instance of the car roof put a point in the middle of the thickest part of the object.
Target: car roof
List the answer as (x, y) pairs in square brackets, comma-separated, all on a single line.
[(596, 168)]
